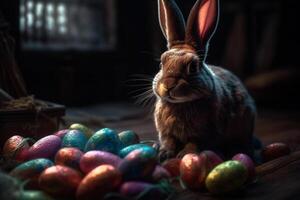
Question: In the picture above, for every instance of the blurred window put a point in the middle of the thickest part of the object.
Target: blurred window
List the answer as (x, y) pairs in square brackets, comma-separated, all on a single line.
[(68, 24)]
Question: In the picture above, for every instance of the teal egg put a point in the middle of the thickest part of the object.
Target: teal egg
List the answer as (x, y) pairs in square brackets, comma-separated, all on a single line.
[(74, 138), (129, 138), (31, 169), (104, 140), (145, 148), (33, 195)]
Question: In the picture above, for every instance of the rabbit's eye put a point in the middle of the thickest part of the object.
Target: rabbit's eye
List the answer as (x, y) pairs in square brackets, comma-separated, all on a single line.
[(193, 68)]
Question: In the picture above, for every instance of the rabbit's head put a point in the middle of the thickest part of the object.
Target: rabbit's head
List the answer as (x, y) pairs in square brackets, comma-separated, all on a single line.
[(184, 76)]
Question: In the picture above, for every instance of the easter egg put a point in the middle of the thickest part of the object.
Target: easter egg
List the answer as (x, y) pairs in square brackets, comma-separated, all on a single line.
[(33, 195), (60, 181), (74, 138), (87, 131), (226, 177), (31, 169), (192, 171), (137, 165), (128, 138), (68, 156), (274, 151), (210, 159), (160, 173), (104, 140), (16, 148), (248, 163), (45, 147), (92, 159), (99, 182), (125, 151), (133, 189), (61, 133), (172, 166)]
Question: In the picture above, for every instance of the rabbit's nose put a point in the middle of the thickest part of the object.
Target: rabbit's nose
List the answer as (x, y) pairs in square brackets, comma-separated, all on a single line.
[(165, 86)]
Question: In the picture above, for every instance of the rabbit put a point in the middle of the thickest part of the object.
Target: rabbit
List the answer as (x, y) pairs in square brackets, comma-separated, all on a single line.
[(198, 106)]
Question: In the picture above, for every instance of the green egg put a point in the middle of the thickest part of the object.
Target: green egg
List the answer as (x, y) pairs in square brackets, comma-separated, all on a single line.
[(128, 138), (80, 127), (147, 150), (33, 195), (226, 177)]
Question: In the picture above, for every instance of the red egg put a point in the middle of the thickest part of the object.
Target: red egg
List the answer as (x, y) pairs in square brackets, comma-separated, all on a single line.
[(99, 182), (248, 163), (172, 166), (210, 159), (274, 151), (192, 171), (160, 173), (93, 159), (60, 181), (61, 133), (16, 148), (69, 157), (46, 147)]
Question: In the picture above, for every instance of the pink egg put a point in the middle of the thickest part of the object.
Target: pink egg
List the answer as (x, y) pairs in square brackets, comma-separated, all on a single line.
[(275, 150), (160, 173), (46, 147), (61, 133), (93, 159), (210, 159), (248, 163)]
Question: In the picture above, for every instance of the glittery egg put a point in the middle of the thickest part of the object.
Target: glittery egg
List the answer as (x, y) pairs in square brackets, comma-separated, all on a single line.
[(46, 147), (92, 159), (74, 138), (104, 140), (210, 159), (99, 182), (226, 177), (160, 173), (87, 131), (137, 165), (133, 188), (61, 133), (33, 195), (128, 138), (275, 150), (31, 169), (248, 163), (172, 166), (125, 151), (60, 181), (68, 156), (192, 171), (16, 148)]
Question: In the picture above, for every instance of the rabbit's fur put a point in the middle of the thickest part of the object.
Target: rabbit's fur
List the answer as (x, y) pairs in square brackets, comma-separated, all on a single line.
[(199, 106)]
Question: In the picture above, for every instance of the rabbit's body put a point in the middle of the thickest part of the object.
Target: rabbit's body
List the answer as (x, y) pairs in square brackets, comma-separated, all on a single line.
[(198, 106)]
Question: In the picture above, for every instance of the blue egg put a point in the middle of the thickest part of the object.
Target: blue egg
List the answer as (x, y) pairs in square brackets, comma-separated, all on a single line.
[(129, 138), (74, 138), (104, 140), (145, 148)]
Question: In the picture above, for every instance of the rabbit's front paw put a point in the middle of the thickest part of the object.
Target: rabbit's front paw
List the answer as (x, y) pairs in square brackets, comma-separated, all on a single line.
[(165, 154)]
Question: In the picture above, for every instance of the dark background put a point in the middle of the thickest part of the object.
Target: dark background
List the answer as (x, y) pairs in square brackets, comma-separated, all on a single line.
[(257, 40)]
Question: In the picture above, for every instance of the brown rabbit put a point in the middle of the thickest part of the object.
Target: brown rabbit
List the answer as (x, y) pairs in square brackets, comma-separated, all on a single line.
[(199, 106)]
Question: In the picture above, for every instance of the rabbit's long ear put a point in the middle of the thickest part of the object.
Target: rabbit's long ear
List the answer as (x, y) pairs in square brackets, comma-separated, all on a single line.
[(202, 23), (171, 22)]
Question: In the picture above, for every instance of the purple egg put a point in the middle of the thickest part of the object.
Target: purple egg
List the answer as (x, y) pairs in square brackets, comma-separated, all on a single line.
[(92, 159), (46, 147), (160, 173), (248, 163), (133, 188), (61, 133)]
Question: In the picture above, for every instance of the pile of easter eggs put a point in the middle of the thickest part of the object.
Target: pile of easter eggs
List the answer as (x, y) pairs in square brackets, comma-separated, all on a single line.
[(78, 164)]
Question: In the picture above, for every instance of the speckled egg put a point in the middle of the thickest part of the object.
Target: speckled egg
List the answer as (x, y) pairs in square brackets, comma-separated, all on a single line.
[(275, 150), (87, 131), (92, 159), (226, 177), (60, 181), (33, 195), (172, 166), (160, 173), (74, 138), (31, 169), (129, 138), (248, 163), (125, 151), (210, 159), (16, 148), (99, 182), (137, 165), (69, 156), (61, 133), (104, 140), (46, 147)]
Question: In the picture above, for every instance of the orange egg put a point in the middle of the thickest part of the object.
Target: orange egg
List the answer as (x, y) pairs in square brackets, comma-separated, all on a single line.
[(16, 148), (60, 181), (99, 182), (68, 157)]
